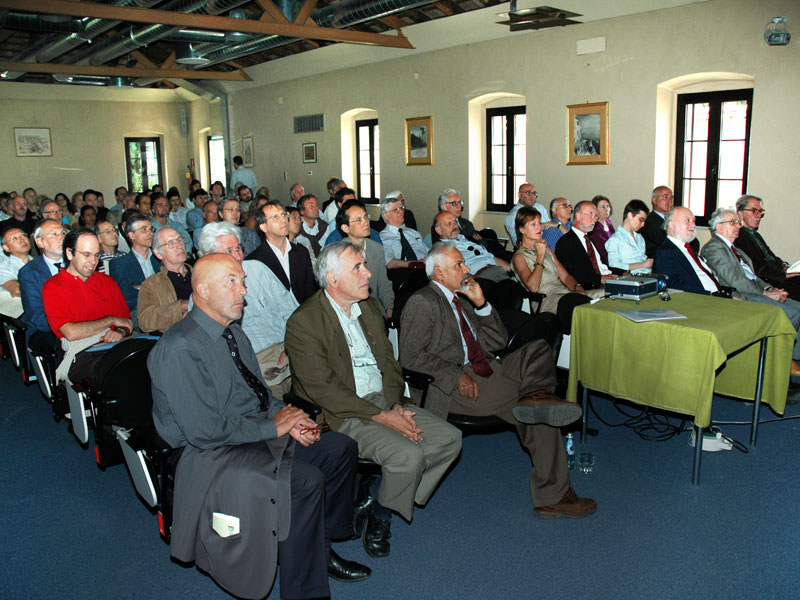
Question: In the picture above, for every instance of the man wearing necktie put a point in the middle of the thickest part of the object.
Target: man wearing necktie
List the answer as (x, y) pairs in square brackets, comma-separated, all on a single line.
[(450, 331), (402, 245), (577, 253)]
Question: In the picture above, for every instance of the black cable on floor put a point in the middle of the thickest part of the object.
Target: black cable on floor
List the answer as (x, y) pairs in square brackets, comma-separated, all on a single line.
[(648, 425)]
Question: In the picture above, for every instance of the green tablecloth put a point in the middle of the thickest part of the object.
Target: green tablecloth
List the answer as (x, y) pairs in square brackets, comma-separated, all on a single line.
[(678, 365)]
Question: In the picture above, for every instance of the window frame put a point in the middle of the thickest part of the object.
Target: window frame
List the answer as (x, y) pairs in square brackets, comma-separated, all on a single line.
[(373, 126), (511, 196), (159, 158), (715, 101)]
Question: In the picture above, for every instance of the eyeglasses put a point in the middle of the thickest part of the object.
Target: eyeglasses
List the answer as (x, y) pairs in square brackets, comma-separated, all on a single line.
[(52, 212), (278, 216), (359, 220), (755, 211), (534, 194), (455, 203), (56, 234), (590, 214), (145, 229), (16, 238), (566, 205), (105, 231), (174, 243), (88, 255), (396, 209), (733, 221), (233, 210)]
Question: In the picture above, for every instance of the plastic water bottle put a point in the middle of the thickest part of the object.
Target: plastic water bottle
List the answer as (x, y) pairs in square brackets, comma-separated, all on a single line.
[(569, 444)]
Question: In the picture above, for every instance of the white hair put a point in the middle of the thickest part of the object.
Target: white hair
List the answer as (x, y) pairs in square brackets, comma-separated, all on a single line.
[(207, 242), (437, 256), (330, 260)]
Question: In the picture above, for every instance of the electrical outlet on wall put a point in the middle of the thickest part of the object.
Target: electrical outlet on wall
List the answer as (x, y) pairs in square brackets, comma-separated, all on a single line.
[(310, 173)]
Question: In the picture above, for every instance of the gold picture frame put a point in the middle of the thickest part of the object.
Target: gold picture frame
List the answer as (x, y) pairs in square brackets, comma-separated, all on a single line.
[(587, 134), (419, 141)]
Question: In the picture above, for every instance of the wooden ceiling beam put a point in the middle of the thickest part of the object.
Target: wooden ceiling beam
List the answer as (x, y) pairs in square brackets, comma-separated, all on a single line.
[(305, 12), (139, 56), (77, 8), (393, 22), (272, 12), (26, 67)]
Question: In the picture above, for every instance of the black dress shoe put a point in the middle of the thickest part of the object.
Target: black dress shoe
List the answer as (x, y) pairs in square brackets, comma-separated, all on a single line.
[(342, 569), (376, 536), (360, 514)]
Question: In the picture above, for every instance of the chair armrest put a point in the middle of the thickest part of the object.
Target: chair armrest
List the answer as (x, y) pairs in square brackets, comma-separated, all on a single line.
[(418, 381)]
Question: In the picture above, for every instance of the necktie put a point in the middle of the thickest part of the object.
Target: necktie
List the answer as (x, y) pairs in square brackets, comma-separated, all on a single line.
[(253, 381), (480, 365), (590, 252), (745, 267), (692, 253), (406, 251)]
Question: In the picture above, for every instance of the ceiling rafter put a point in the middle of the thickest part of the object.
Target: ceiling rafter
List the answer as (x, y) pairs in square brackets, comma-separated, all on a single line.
[(111, 71), (139, 56)]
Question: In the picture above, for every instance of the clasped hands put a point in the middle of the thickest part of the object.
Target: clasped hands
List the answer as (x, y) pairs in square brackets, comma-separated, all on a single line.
[(297, 424), (401, 420)]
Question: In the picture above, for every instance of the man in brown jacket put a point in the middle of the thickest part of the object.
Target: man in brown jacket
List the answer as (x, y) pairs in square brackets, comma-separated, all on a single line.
[(164, 297)]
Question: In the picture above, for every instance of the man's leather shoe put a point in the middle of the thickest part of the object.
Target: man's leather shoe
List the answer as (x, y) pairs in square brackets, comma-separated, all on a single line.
[(795, 372), (569, 506), (376, 536), (342, 569), (545, 408), (360, 514)]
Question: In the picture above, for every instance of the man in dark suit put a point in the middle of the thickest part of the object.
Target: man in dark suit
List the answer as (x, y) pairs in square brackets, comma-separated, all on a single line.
[(291, 263), (450, 331), (450, 201), (677, 259), (653, 230), (131, 270), (255, 480), (343, 361), (573, 248), (767, 265), (49, 237)]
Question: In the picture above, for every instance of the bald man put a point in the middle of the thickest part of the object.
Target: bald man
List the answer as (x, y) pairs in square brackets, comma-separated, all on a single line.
[(261, 467)]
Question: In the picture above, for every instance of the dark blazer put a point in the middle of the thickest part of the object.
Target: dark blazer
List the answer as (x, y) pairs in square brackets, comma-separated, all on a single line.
[(31, 278), (670, 261), (654, 235), (430, 342), (127, 272), (767, 266), (571, 252), (301, 273)]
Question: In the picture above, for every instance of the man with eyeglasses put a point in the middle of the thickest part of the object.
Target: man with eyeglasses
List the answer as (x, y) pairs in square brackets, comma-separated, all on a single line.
[(561, 211), (527, 196), (450, 201), (767, 265), (162, 217), (84, 307), (210, 214), (289, 262), (49, 238), (481, 263), (108, 236), (20, 216), (131, 270), (164, 297), (194, 216), (733, 268), (345, 194), (314, 229), (576, 251), (16, 247), (402, 245), (231, 212), (654, 230)]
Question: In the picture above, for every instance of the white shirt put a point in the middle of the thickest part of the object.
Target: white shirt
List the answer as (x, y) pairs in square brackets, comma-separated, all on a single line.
[(144, 262), (10, 266), (705, 280), (604, 270), (390, 235), (483, 312), (283, 256), (329, 216), (269, 306)]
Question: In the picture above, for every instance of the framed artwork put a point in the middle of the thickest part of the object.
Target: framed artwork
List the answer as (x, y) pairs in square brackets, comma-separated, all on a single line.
[(587, 134), (247, 151), (32, 141), (419, 141), (310, 152)]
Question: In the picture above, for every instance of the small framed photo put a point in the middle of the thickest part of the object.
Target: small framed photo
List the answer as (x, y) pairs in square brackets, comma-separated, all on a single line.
[(310, 152), (419, 141), (33, 141), (247, 151), (587, 134)]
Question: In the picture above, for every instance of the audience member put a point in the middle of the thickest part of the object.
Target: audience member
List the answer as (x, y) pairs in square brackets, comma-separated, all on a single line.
[(236, 441), (479, 260), (314, 229), (16, 254), (87, 218), (341, 195), (217, 191), (296, 191), (177, 212), (242, 174), (162, 217), (144, 204), (454, 340), (245, 196), (108, 236), (21, 217), (210, 215), (255, 206), (626, 247), (654, 230), (131, 270), (526, 196), (450, 201), (164, 297), (333, 185), (578, 254), (230, 212), (561, 223), (195, 216), (345, 194), (604, 228), (343, 362), (403, 246)]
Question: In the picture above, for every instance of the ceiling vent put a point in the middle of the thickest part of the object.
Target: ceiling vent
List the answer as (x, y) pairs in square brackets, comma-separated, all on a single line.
[(308, 123), (540, 17), (185, 54)]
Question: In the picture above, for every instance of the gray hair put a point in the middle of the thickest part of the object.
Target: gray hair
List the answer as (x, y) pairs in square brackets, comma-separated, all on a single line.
[(437, 255), (741, 202), (658, 190), (46, 202), (719, 215), (158, 233), (553, 203), (394, 194), (224, 201), (386, 203), (207, 242), (130, 224), (330, 260), (38, 233), (445, 193)]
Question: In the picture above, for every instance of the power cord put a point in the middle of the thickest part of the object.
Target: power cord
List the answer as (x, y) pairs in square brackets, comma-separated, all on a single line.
[(649, 426)]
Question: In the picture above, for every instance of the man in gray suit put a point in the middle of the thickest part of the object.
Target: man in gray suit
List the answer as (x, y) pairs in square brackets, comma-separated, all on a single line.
[(453, 339), (734, 268)]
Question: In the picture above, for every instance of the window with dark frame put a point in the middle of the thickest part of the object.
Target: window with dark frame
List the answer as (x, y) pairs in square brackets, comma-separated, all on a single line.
[(712, 146), (368, 160), (506, 156), (216, 161), (143, 163)]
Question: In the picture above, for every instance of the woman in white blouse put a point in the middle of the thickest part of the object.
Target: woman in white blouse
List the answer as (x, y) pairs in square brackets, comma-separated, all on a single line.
[(626, 247)]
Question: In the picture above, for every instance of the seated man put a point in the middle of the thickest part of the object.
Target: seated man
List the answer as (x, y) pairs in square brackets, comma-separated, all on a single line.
[(162, 217), (577, 253), (49, 238), (766, 264), (331, 206), (313, 229), (230, 212), (402, 245), (108, 236), (83, 307), (453, 339), (210, 215), (344, 194), (238, 457), (734, 268), (16, 247), (479, 261), (561, 210), (410, 219), (450, 201), (334, 183), (131, 270), (291, 263), (269, 305), (353, 221), (194, 216), (344, 363), (164, 297), (654, 230)]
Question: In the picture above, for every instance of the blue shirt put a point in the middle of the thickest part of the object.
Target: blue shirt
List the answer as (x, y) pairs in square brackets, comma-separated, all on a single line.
[(269, 306), (553, 234), (624, 249)]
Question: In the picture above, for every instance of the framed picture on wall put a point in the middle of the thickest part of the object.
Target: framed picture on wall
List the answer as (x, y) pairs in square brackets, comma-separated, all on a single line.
[(310, 152), (33, 141), (587, 134), (247, 151), (419, 141)]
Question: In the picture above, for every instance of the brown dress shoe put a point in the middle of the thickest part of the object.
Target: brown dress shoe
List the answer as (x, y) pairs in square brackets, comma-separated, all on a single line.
[(795, 372), (546, 408), (570, 506)]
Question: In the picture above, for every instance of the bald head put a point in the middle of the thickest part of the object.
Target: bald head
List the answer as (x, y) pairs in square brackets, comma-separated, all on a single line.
[(218, 287)]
